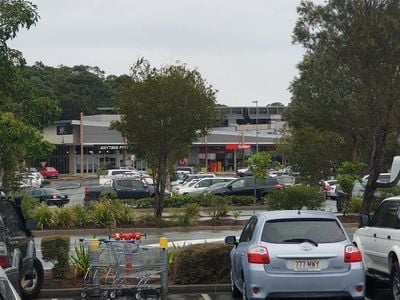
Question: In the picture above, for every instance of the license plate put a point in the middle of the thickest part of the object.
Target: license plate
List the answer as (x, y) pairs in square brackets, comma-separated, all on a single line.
[(307, 265)]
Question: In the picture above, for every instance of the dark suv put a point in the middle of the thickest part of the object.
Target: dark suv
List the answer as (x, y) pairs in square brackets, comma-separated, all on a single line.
[(17, 250), (245, 186)]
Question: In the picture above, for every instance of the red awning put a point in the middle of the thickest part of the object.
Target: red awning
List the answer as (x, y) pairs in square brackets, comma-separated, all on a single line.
[(237, 146)]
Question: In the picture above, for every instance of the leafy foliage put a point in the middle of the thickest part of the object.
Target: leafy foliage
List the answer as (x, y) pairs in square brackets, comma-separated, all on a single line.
[(349, 79), (203, 263), (295, 197), (176, 104), (56, 250), (259, 163)]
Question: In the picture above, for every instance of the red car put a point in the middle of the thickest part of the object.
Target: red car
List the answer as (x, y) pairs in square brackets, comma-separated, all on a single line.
[(49, 172)]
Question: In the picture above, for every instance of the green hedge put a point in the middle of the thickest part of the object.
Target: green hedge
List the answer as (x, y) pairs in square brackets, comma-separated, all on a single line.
[(201, 264), (56, 250), (296, 197)]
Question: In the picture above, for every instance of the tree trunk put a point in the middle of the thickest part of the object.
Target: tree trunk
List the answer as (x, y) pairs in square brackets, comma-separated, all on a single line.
[(160, 190), (375, 168)]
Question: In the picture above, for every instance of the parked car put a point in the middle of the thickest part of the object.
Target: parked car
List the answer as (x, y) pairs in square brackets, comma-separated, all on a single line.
[(245, 186), (49, 172), (329, 188), (148, 181), (125, 188), (198, 187), (189, 177), (7, 290), (379, 241), (49, 195), (244, 172), (17, 250), (383, 177), (286, 254)]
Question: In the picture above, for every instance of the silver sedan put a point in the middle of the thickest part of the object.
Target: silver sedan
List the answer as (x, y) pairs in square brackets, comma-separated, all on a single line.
[(289, 254)]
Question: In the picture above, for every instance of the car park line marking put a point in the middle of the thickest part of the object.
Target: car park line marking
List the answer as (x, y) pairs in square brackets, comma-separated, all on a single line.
[(206, 297)]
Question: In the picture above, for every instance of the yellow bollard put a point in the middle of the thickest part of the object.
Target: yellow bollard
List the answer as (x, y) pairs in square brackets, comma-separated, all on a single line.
[(94, 245), (163, 242)]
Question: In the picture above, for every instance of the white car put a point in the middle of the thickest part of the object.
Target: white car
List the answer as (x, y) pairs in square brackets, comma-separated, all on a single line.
[(329, 188), (200, 186), (379, 241)]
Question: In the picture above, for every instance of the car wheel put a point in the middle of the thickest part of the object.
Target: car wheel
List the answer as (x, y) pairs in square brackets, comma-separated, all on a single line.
[(234, 290), (395, 280), (32, 283)]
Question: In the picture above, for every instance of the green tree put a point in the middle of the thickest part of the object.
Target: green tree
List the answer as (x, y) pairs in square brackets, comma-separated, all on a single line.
[(259, 163), (22, 113), (314, 153), (348, 173), (163, 112), (349, 81)]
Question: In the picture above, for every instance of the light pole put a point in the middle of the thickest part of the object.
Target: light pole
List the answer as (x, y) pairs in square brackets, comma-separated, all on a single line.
[(256, 102)]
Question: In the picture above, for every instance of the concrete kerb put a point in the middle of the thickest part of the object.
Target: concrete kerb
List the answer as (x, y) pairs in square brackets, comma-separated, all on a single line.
[(172, 289)]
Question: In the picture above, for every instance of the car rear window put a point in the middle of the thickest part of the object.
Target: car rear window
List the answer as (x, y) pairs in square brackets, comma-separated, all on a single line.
[(285, 180), (317, 230)]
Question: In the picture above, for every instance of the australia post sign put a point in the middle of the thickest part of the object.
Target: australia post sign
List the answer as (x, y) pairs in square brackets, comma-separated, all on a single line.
[(237, 146)]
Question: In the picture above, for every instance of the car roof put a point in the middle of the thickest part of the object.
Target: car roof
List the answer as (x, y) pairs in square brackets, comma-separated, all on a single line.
[(295, 214)]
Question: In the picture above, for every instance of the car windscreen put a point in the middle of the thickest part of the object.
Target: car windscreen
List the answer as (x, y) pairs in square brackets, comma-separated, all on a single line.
[(50, 191), (289, 230)]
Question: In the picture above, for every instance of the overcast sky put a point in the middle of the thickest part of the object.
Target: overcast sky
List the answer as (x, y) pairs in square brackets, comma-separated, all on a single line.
[(242, 48)]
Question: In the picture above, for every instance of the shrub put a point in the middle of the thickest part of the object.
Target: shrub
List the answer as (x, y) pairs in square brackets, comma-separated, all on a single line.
[(201, 264), (29, 205), (64, 217), (180, 200), (217, 206), (241, 200), (140, 203), (81, 215), (81, 260), (56, 250), (296, 197), (108, 195), (103, 214), (44, 216), (355, 205), (123, 213)]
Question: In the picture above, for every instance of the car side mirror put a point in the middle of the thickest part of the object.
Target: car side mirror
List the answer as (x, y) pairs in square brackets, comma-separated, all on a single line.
[(30, 224), (364, 220), (229, 187), (231, 240)]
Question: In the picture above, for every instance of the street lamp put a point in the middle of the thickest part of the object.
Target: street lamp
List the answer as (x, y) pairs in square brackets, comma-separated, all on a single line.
[(256, 102)]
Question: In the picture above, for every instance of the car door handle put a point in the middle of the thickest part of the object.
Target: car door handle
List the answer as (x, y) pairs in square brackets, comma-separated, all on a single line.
[(389, 237), (375, 235)]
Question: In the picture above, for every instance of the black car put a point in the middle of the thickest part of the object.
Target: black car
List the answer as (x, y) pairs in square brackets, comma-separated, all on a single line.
[(246, 186), (49, 196), (124, 188), (17, 250)]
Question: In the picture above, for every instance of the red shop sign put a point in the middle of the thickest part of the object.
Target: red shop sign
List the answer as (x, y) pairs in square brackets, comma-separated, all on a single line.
[(237, 146)]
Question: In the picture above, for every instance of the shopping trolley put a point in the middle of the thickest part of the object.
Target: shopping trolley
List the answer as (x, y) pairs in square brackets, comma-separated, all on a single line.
[(122, 267)]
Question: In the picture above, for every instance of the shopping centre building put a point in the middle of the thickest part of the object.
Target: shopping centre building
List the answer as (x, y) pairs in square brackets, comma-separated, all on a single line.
[(242, 131)]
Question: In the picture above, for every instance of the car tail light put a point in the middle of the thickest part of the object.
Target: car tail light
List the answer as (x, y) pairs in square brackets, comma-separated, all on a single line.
[(56, 196), (279, 186), (352, 254), (326, 187), (87, 190), (258, 255), (4, 262)]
